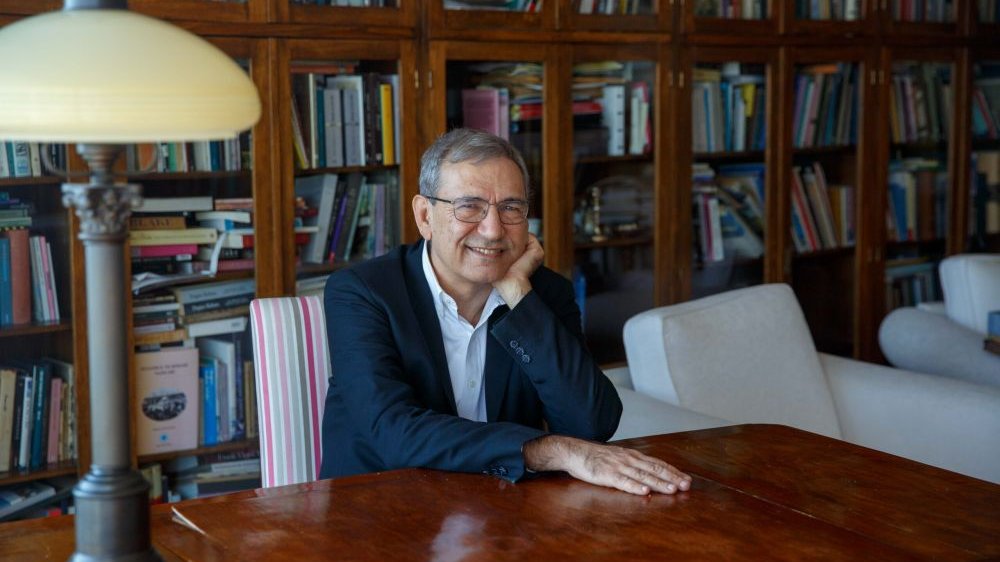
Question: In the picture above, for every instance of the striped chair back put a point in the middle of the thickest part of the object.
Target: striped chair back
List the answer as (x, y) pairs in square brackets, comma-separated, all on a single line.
[(293, 366)]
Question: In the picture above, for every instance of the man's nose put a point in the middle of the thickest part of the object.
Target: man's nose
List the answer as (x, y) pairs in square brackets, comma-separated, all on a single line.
[(490, 225)]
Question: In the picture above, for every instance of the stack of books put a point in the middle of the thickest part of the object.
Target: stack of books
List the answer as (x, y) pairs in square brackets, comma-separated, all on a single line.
[(37, 414)]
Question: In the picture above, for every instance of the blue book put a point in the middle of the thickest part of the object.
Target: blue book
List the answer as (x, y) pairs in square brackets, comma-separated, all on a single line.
[(993, 324), (6, 297), (210, 422), (40, 423)]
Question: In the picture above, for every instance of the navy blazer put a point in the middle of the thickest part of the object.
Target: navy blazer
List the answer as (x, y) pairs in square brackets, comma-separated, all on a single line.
[(391, 405)]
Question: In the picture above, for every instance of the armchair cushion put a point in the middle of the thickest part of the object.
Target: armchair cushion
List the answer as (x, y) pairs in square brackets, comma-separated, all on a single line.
[(758, 330), (971, 284), (943, 422), (917, 340)]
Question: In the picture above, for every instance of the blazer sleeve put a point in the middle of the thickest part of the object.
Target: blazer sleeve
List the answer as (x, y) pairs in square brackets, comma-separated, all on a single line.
[(544, 336), (372, 383)]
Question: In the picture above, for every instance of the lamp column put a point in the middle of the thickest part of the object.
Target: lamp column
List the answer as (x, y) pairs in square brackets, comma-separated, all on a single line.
[(112, 499)]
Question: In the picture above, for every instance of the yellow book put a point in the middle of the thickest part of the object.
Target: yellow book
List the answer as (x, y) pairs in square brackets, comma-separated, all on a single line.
[(388, 133), (173, 236)]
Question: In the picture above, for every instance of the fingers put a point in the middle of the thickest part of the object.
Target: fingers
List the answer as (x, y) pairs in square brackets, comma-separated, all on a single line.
[(663, 472), (630, 471)]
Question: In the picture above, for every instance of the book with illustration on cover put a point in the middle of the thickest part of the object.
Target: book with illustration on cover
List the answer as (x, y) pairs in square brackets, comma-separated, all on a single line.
[(168, 403)]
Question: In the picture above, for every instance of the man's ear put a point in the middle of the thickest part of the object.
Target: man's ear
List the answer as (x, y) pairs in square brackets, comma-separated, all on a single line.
[(422, 215)]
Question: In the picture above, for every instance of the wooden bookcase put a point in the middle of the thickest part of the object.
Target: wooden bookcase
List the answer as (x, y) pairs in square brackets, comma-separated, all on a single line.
[(433, 49)]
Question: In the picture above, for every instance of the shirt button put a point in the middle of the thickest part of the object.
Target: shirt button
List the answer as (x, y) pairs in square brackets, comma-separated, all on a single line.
[(472, 383)]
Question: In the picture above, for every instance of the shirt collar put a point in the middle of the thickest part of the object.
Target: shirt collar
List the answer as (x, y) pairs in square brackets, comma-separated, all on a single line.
[(442, 300)]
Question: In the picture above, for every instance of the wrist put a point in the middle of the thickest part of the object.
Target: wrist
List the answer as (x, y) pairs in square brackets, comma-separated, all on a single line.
[(513, 290), (546, 453)]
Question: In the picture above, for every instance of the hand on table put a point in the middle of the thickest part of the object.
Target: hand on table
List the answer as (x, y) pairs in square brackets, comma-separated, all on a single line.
[(605, 465)]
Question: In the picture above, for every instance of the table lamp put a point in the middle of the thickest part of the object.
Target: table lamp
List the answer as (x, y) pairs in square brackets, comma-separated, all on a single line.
[(101, 77)]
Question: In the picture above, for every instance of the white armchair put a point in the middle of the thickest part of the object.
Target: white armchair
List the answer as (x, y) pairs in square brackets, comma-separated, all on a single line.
[(747, 356), (948, 340)]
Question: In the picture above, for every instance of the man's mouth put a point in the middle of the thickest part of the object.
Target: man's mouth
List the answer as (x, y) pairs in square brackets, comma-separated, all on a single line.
[(488, 252)]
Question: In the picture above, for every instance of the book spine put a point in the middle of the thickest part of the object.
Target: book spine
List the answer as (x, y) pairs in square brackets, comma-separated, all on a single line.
[(55, 420), (20, 276), (40, 431), (27, 419), (6, 297)]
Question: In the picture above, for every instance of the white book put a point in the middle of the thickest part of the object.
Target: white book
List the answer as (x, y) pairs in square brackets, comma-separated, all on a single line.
[(613, 117), (50, 282), (28, 399), (333, 128), (352, 107), (35, 158), (217, 327), (202, 156), (174, 204)]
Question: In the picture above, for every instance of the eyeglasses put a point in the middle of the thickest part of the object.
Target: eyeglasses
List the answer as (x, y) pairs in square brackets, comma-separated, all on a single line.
[(474, 209)]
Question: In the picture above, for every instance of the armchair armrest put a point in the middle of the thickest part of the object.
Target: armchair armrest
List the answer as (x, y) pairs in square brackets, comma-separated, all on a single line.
[(939, 421), (644, 415), (923, 341), (620, 377)]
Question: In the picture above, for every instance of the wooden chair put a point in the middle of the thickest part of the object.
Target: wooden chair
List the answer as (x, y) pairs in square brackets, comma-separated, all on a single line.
[(292, 363)]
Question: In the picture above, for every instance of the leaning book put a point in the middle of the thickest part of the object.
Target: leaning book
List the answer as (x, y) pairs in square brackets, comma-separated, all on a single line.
[(167, 394)]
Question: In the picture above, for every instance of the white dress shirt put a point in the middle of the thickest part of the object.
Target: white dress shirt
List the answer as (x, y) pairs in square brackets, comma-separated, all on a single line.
[(464, 346)]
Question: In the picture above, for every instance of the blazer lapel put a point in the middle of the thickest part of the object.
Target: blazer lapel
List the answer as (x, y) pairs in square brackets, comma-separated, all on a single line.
[(423, 307), (497, 369)]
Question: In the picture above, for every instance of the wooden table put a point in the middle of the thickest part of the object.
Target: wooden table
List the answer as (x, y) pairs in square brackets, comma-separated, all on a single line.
[(759, 492)]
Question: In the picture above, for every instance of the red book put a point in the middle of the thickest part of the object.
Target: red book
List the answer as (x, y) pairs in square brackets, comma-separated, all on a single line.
[(166, 250), (20, 276)]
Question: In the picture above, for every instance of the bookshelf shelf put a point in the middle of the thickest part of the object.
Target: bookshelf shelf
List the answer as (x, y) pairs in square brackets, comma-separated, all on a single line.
[(826, 253), (60, 469), (596, 160), (241, 445), (30, 181), (347, 169), (614, 243), (319, 268), (18, 330), (187, 176)]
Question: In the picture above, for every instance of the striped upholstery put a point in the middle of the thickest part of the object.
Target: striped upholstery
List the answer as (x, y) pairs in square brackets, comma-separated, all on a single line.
[(292, 365)]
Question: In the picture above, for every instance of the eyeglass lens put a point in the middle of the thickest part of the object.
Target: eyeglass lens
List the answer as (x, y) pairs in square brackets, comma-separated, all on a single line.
[(475, 210)]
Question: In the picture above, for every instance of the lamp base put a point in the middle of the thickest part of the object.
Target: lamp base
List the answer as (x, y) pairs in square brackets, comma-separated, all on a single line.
[(121, 497)]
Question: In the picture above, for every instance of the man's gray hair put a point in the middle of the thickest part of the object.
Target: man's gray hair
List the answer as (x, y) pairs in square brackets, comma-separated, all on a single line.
[(466, 145)]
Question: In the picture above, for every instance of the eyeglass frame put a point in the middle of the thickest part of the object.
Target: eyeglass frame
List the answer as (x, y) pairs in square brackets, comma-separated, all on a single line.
[(486, 213)]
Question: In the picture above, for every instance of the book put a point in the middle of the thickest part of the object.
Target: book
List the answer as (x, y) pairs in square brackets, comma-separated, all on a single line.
[(174, 204), (8, 386), (173, 237), (6, 286), (319, 192), (216, 327), (20, 496), (20, 276), (168, 403), (157, 222)]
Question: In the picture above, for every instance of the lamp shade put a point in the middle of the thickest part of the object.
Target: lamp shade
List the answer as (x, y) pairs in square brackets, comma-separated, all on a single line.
[(115, 76)]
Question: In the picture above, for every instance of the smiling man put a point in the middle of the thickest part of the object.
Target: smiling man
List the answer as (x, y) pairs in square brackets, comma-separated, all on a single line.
[(462, 352)]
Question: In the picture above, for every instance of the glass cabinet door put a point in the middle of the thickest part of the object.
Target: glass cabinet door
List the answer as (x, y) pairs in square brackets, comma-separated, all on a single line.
[(984, 185), (728, 181), (920, 97), (823, 185), (614, 103), (614, 15), (347, 146)]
